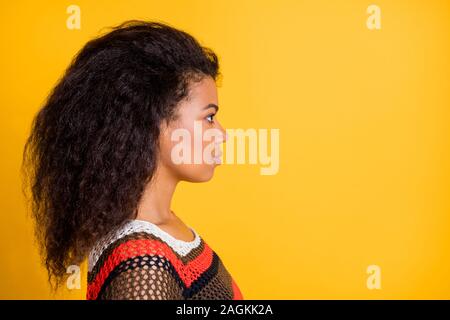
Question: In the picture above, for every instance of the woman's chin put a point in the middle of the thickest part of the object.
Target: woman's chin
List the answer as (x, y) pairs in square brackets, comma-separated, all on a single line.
[(203, 173)]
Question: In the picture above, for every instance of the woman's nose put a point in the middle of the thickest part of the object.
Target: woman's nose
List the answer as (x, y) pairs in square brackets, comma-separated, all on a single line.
[(224, 134)]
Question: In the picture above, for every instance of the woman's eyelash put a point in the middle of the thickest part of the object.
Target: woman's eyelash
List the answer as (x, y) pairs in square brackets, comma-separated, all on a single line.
[(212, 117)]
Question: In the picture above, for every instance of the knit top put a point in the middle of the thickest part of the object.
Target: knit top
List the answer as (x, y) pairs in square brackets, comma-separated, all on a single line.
[(139, 260)]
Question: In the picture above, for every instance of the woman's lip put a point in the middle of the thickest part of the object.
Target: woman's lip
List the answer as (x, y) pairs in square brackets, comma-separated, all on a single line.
[(218, 155), (217, 160)]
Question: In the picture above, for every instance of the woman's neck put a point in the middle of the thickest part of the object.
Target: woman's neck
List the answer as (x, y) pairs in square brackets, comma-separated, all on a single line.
[(155, 203)]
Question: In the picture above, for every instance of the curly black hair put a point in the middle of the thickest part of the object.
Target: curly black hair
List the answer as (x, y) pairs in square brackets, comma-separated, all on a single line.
[(93, 145)]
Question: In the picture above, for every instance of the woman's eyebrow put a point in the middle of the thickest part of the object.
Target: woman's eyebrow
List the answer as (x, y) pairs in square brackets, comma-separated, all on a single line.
[(211, 105)]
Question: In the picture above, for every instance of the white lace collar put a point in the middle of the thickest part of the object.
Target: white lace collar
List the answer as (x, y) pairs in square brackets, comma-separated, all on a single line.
[(179, 246)]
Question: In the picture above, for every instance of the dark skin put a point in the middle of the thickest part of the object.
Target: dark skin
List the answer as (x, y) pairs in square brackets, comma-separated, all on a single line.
[(156, 201)]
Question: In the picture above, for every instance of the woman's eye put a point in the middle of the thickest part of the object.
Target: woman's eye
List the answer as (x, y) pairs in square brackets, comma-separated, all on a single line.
[(210, 118)]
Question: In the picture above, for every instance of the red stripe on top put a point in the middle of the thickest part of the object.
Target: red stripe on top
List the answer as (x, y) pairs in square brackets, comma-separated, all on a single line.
[(188, 272)]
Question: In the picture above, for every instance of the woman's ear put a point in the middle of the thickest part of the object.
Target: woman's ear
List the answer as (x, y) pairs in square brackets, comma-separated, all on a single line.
[(164, 134), (164, 126)]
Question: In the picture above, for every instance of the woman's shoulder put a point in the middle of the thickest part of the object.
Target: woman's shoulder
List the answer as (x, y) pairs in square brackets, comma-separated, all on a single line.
[(135, 252), (137, 237), (141, 261)]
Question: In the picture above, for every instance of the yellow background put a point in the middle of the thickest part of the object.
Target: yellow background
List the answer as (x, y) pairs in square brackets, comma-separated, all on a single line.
[(364, 140)]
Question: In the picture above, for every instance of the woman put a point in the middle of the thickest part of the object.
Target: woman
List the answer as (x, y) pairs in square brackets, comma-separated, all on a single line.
[(103, 164)]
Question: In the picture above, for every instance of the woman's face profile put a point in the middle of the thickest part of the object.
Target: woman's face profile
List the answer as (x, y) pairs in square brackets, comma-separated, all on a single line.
[(189, 144)]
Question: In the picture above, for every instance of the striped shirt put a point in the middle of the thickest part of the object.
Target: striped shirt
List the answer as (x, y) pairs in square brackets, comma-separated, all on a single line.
[(139, 260)]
